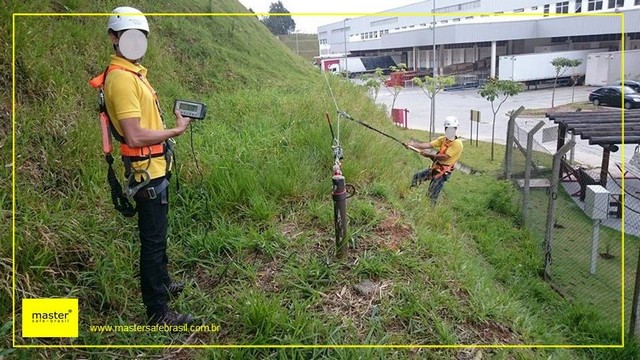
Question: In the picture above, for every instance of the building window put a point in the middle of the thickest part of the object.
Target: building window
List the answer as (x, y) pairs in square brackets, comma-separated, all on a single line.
[(456, 19), (594, 5), (578, 6), (562, 7), (518, 10), (636, 3), (546, 10), (534, 8), (616, 3)]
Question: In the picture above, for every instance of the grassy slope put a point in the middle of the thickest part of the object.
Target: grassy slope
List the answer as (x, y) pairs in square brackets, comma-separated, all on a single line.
[(253, 235)]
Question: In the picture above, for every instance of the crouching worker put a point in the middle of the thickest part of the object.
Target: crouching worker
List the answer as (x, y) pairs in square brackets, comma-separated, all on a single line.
[(449, 149), (135, 121)]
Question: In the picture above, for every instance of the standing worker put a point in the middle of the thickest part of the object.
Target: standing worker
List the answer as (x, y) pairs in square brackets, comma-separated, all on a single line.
[(449, 150), (136, 122)]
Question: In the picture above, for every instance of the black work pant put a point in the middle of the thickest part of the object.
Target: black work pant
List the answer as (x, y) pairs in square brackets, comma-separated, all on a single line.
[(153, 224)]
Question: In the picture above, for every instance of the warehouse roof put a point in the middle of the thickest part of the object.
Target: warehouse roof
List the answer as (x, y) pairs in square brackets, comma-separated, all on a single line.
[(505, 28)]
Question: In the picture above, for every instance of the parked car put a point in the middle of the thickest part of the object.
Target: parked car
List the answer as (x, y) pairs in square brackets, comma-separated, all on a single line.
[(635, 85), (612, 96)]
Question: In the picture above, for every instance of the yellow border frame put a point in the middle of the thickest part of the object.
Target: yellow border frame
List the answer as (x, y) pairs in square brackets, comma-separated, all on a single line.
[(403, 14)]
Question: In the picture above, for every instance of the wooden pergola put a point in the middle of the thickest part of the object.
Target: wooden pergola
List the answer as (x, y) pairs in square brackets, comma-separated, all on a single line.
[(603, 128)]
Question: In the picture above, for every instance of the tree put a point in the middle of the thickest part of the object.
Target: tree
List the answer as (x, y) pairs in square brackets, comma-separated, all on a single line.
[(561, 64), (279, 24), (396, 86), (498, 90), (431, 86), (374, 82), (574, 77)]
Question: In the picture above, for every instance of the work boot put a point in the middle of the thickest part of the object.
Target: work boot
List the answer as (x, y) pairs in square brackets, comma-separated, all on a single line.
[(174, 289), (171, 318)]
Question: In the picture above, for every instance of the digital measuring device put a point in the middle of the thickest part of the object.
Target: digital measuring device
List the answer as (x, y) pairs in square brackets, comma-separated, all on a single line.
[(192, 109)]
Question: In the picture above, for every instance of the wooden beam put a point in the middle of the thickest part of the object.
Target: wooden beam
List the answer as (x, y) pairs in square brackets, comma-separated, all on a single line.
[(568, 114), (613, 140), (598, 133), (594, 120), (583, 127)]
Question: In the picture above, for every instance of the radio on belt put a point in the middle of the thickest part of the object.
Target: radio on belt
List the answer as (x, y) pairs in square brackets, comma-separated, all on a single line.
[(192, 109)]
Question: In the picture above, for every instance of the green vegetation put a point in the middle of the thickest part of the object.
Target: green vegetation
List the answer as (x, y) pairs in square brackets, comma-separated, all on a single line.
[(582, 105), (251, 233), (561, 65), (497, 92)]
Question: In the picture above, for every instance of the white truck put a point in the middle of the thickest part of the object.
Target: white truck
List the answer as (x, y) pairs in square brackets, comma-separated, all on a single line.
[(357, 65), (605, 68), (536, 69)]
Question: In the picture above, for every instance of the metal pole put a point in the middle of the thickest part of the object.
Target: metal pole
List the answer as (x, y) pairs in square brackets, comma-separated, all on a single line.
[(471, 123), (553, 195), (477, 128), (340, 214), (572, 154), (604, 169), (634, 326), (346, 62), (508, 154), (527, 170), (595, 235), (432, 122)]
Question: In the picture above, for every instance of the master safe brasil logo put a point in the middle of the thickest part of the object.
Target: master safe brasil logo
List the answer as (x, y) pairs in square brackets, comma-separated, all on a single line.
[(50, 317)]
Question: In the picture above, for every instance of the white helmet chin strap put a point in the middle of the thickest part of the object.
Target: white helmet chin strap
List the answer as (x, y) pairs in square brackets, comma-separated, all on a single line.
[(132, 44)]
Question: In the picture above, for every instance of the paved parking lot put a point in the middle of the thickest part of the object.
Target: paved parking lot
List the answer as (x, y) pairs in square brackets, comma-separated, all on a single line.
[(460, 102)]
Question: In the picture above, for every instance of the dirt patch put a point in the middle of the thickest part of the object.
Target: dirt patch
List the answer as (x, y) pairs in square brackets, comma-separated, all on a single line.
[(266, 276), (486, 332), (350, 305), (392, 232)]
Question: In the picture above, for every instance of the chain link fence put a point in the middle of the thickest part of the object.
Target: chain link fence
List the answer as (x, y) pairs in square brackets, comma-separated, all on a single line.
[(579, 229)]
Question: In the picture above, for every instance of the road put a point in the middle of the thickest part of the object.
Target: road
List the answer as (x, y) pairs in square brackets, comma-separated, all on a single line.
[(460, 102)]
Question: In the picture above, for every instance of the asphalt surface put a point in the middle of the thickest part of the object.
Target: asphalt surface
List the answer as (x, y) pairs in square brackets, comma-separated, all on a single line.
[(460, 102)]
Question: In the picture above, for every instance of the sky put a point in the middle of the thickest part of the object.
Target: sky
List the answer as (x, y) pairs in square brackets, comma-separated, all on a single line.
[(309, 24)]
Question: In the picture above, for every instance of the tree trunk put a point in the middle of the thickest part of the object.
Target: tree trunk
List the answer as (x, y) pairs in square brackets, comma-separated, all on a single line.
[(493, 132), (553, 94)]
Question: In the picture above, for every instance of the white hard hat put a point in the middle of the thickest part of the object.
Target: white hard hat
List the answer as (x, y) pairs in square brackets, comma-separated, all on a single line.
[(451, 121), (119, 22)]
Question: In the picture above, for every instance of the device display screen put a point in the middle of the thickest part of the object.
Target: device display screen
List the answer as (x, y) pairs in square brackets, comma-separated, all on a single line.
[(188, 107)]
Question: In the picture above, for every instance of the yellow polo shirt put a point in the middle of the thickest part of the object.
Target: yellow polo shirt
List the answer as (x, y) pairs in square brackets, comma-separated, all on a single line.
[(454, 150), (127, 96)]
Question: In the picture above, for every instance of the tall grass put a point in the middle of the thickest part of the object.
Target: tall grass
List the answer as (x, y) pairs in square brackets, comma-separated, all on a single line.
[(251, 227)]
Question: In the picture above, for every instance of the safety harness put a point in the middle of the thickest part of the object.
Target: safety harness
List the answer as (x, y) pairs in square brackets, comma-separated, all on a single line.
[(120, 196), (437, 169)]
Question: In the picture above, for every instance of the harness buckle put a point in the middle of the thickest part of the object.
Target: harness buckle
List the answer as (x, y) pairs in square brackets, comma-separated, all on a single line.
[(152, 193), (129, 191)]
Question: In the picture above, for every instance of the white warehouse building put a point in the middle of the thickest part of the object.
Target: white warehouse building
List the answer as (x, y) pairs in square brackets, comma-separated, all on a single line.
[(466, 33)]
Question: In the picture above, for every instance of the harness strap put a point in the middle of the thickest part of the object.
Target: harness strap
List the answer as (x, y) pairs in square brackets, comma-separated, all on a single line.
[(438, 168), (129, 154), (120, 202)]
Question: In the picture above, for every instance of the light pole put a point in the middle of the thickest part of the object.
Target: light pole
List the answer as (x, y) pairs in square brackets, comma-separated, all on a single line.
[(432, 124), (344, 31)]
